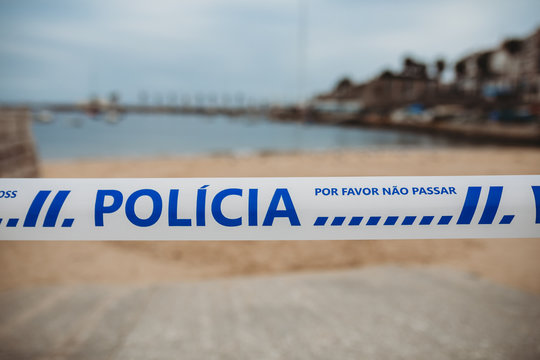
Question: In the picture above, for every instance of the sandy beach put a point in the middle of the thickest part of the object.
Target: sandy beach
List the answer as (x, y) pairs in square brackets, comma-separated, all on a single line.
[(513, 262)]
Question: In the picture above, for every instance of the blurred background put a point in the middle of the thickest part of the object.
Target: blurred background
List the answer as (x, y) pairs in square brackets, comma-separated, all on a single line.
[(236, 88)]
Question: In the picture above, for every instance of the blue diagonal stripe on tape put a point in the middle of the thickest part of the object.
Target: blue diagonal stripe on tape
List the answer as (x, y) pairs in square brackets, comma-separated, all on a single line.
[(67, 222), (506, 219), (469, 207), (409, 220), (338, 221), (35, 208), (391, 220), (54, 209), (320, 221), (445, 220), (536, 192), (492, 204), (426, 220), (355, 220)]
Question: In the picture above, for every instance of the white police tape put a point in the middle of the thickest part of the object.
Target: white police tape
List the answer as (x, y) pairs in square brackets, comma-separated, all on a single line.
[(270, 208)]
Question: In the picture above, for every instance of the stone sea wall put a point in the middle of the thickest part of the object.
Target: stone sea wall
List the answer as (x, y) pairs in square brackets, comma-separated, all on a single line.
[(17, 148)]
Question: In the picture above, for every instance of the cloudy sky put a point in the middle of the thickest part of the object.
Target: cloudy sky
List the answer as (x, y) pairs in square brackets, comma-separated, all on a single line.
[(278, 50)]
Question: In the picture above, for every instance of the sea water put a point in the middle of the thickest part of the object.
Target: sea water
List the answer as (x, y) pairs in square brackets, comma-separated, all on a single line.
[(75, 136)]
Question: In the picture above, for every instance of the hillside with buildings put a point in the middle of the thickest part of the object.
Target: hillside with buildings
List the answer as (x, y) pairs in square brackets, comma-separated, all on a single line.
[(499, 86)]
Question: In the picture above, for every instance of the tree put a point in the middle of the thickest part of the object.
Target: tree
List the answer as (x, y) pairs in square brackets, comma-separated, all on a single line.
[(414, 69), (460, 68), (386, 74), (408, 62), (513, 46), (343, 84), (440, 65)]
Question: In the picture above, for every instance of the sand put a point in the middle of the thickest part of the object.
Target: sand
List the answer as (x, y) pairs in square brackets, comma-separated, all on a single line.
[(513, 262)]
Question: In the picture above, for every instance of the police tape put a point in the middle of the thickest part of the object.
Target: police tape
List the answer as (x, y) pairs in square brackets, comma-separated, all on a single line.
[(270, 208)]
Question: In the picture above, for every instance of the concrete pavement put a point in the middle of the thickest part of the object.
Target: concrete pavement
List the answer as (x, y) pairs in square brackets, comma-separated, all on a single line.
[(371, 313)]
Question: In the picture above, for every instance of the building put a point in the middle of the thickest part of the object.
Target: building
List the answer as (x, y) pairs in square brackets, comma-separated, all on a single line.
[(388, 90), (512, 70), (499, 84)]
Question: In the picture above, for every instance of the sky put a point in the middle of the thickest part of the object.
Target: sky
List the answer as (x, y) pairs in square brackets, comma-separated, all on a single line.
[(270, 51)]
